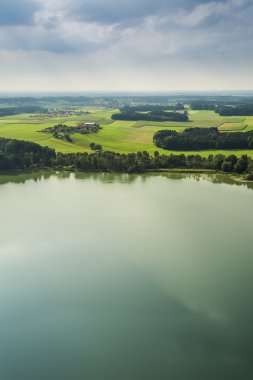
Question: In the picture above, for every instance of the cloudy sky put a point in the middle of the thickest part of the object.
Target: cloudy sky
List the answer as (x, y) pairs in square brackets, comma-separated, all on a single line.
[(121, 45)]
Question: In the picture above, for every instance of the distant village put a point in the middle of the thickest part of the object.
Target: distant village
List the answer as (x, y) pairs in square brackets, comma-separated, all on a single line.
[(53, 112)]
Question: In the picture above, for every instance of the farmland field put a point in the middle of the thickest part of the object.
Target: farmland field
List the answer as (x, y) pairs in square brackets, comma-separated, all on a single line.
[(118, 136), (233, 127)]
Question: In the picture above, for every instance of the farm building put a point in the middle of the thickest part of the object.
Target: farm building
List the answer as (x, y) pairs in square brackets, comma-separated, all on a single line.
[(89, 124)]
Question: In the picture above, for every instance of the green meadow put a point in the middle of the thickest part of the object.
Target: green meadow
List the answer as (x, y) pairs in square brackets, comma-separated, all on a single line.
[(117, 136)]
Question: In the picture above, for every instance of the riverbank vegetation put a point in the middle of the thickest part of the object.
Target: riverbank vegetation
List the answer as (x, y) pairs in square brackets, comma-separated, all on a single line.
[(16, 154)]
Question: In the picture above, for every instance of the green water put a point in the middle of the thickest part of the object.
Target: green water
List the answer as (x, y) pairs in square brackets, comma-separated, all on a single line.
[(118, 277)]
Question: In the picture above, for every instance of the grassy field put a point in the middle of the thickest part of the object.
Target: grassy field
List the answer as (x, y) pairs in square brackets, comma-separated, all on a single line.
[(117, 136)]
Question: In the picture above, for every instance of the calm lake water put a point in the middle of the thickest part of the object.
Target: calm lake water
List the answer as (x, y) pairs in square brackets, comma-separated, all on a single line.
[(121, 277)]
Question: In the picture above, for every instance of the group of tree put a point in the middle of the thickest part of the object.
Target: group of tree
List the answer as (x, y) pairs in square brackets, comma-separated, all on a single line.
[(64, 132), (96, 147), (157, 115), (202, 139), (143, 161), (237, 110), (203, 105), (152, 107), (10, 111), (223, 107), (16, 154)]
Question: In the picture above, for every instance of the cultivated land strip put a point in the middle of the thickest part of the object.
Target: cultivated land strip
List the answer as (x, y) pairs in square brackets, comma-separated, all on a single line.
[(117, 136)]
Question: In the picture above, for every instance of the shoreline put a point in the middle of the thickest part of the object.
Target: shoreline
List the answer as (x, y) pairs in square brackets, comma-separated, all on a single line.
[(233, 176)]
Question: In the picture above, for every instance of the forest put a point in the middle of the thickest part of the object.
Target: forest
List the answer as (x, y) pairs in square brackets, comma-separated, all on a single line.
[(202, 139), (9, 111), (153, 107), (237, 110), (16, 154), (158, 115)]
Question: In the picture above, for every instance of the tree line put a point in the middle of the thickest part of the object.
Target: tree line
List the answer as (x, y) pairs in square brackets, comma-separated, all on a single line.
[(153, 107), (223, 108), (157, 115), (203, 105), (15, 154), (202, 139), (142, 161), (237, 110), (10, 111)]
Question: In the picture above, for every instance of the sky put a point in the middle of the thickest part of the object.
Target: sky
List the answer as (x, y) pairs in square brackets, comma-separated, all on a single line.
[(126, 45)]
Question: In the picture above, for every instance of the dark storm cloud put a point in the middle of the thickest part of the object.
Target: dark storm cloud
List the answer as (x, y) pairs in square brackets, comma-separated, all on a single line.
[(17, 12)]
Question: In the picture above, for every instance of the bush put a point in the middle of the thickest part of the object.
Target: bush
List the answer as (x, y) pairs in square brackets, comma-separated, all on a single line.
[(249, 176)]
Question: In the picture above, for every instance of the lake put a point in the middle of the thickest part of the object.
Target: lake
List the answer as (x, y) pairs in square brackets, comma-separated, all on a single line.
[(125, 277)]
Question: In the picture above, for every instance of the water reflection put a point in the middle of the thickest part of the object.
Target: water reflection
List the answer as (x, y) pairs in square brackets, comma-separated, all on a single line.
[(216, 178), (22, 177)]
